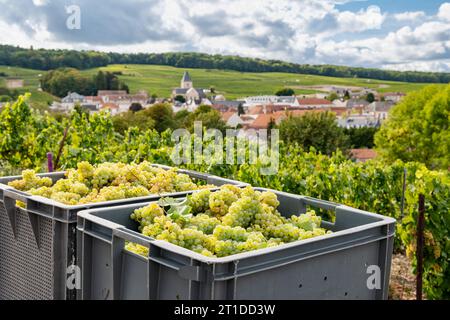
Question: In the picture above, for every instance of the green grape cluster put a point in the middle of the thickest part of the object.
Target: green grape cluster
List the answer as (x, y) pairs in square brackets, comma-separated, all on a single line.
[(106, 182), (146, 215), (308, 221), (242, 212), (199, 201), (137, 248), (220, 201), (228, 233), (204, 223), (217, 227), (30, 181)]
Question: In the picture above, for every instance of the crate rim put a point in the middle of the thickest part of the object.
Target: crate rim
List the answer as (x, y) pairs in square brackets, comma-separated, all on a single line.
[(120, 229), (50, 202)]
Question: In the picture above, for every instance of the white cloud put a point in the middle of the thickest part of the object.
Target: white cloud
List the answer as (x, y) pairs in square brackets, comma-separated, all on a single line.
[(431, 66), (368, 19), (409, 16), (309, 31), (39, 3), (444, 11)]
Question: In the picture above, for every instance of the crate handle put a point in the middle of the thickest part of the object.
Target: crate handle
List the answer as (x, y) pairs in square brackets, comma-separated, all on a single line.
[(16, 195), (193, 273), (186, 272), (196, 174), (132, 236), (322, 204), (10, 196)]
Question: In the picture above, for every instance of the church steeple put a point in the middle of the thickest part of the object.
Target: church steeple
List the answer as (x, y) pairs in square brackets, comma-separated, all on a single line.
[(186, 81)]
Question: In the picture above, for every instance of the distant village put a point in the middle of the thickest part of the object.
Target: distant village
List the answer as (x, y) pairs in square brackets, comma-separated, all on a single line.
[(257, 112)]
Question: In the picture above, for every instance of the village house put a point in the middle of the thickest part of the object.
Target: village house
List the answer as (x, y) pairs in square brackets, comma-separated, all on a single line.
[(314, 103), (380, 109), (290, 101), (188, 91), (14, 83), (69, 101), (363, 155), (356, 103), (395, 97), (105, 99), (227, 105), (232, 119), (358, 121), (110, 107)]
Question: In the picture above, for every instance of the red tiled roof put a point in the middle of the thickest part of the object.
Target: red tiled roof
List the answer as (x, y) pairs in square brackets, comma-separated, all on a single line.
[(262, 122), (227, 115), (314, 102), (363, 154), (94, 98), (111, 92), (298, 113), (109, 106), (338, 110), (256, 110)]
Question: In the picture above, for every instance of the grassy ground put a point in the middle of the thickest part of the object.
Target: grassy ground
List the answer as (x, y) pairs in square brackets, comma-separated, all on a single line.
[(233, 84)]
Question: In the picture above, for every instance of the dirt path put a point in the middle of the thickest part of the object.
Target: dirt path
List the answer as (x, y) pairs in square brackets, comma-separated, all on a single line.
[(403, 281)]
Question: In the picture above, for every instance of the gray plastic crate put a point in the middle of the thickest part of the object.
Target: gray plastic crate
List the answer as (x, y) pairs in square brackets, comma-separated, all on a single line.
[(334, 266), (38, 243)]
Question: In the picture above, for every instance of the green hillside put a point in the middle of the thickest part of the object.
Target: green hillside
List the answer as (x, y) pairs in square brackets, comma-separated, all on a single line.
[(161, 80), (233, 84), (39, 100)]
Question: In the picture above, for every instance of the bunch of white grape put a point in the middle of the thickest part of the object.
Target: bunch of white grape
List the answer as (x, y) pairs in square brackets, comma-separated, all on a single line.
[(226, 222), (106, 182)]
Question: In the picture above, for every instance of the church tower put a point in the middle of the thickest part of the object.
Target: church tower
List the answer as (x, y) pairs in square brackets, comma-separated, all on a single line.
[(186, 81)]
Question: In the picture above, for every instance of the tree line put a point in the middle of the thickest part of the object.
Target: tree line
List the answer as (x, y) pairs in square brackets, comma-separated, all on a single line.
[(61, 81), (43, 59)]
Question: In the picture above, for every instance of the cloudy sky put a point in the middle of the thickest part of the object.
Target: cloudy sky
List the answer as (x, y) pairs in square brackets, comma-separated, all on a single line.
[(394, 34)]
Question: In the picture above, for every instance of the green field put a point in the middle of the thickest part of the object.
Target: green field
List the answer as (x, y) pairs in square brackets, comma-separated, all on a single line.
[(39, 100), (160, 80), (233, 84)]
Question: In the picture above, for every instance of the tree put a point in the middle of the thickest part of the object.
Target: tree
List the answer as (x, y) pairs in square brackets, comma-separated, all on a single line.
[(180, 98), (123, 121), (370, 97), (285, 92), (347, 95), (418, 129), (318, 130), (100, 81), (135, 107), (62, 81), (361, 137), (183, 118), (163, 116), (52, 59), (5, 98), (333, 96), (209, 117), (241, 110)]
